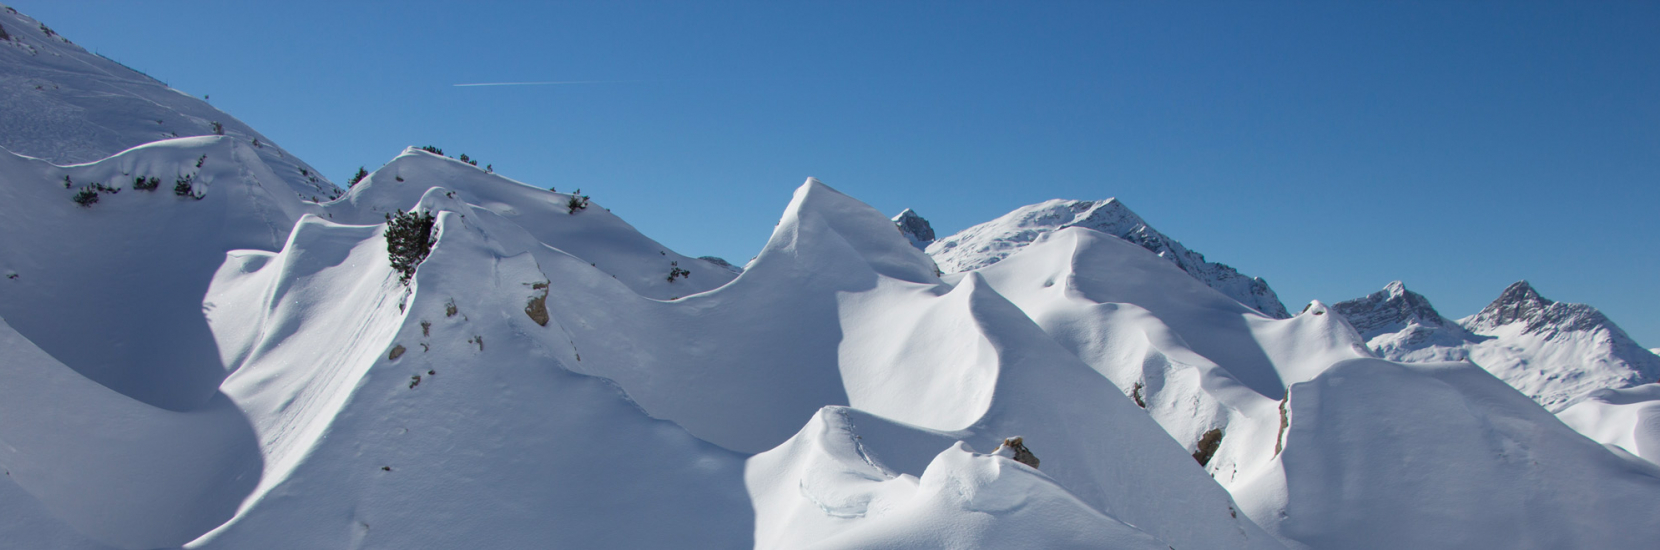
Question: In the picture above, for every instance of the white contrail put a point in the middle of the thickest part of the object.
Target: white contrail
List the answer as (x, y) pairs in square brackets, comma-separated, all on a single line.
[(549, 83)]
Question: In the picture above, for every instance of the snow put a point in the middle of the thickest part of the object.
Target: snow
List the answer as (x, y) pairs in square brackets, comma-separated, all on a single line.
[(67, 105), (991, 242), (1555, 352), (239, 367), (1443, 455), (1627, 418)]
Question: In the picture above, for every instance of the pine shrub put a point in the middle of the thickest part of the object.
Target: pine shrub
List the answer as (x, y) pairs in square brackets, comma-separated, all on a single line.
[(408, 241), (361, 173), (86, 197)]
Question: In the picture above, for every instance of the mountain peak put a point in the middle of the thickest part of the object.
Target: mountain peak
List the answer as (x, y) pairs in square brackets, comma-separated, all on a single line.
[(988, 243), (916, 229), (1390, 310), (1521, 303)]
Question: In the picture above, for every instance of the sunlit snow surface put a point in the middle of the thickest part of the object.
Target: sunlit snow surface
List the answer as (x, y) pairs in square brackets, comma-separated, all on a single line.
[(239, 367)]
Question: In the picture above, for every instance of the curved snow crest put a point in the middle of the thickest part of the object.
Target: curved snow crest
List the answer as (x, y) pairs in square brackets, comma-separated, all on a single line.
[(382, 408), (1626, 418), (64, 104), (1391, 455), (115, 470), (823, 212), (1197, 361), (592, 233), (824, 488), (991, 242), (132, 266)]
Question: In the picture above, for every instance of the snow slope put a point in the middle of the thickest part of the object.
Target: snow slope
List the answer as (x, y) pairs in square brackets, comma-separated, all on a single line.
[(1443, 455), (1555, 352), (234, 366), (1627, 418), (61, 103), (990, 242)]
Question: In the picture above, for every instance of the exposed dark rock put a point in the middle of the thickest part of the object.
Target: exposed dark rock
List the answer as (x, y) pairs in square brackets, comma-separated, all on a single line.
[(915, 228), (1207, 446), (1021, 453), (397, 351)]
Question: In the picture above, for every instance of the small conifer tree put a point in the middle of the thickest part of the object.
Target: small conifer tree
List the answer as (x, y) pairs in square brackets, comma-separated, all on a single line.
[(361, 173), (408, 241), (86, 197)]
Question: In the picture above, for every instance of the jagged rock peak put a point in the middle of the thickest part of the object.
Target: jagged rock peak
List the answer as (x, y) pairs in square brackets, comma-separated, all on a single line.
[(991, 242), (915, 228), (1520, 303), (1389, 310)]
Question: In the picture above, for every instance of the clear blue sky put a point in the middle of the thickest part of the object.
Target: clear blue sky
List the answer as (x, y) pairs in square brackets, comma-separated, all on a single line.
[(1327, 147)]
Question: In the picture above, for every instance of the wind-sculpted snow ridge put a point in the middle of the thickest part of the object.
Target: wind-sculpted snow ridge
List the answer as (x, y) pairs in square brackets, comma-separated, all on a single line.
[(1196, 360), (991, 242), (113, 289), (591, 232), (1556, 353), (442, 415), (1627, 419), (1442, 455), (1401, 325), (66, 105)]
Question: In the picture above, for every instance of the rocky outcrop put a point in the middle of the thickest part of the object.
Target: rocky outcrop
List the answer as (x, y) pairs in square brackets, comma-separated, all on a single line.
[(915, 228), (1401, 325)]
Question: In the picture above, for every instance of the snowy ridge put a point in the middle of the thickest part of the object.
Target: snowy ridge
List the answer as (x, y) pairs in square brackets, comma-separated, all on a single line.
[(1556, 353), (233, 366), (1627, 419), (66, 105), (990, 242)]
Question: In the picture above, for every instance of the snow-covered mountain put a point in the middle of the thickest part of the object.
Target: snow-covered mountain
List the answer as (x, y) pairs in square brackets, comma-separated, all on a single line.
[(1555, 352), (1401, 325), (210, 361), (991, 242)]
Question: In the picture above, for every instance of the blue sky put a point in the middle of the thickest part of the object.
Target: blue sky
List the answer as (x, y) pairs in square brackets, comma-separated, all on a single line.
[(1327, 147)]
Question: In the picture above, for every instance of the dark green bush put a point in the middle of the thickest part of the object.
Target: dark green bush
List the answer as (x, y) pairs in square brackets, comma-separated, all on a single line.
[(408, 241)]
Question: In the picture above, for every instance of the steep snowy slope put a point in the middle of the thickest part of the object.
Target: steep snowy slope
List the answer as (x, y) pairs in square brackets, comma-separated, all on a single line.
[(61, 103), (1118, 463), (1628, 418), (1443, 455), (1198, 361), (1554, 352), (113, 289), (444, 416), (990, 242)]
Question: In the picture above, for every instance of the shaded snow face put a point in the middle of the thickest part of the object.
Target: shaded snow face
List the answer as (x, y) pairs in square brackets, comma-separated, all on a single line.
[(991, 242)]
